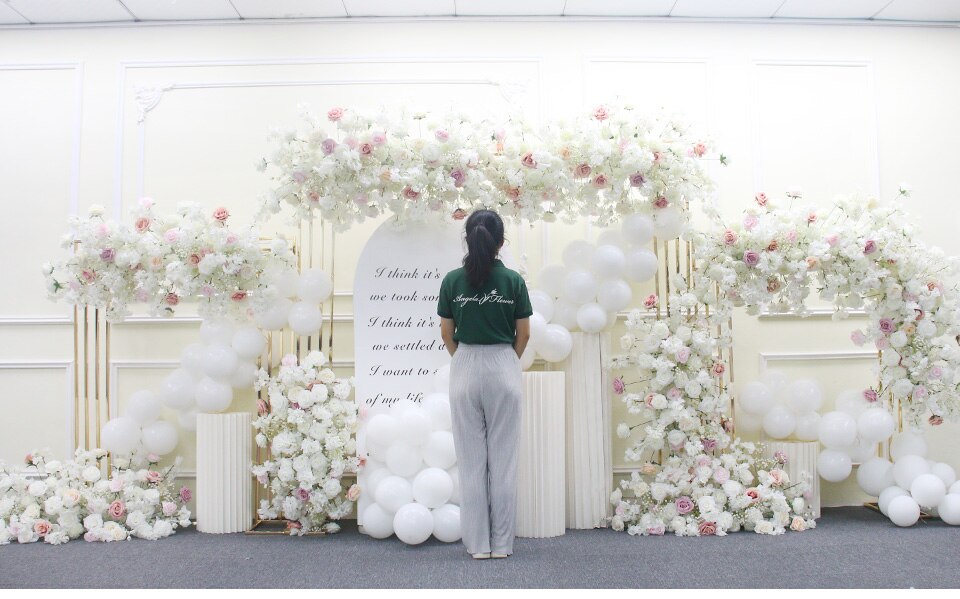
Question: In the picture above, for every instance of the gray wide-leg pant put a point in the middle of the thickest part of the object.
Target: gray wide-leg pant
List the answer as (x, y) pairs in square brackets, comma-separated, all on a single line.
[(485, 403)]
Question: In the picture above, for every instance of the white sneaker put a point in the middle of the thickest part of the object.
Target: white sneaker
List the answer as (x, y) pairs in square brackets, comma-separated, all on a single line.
[(480, 555), (499, 555)]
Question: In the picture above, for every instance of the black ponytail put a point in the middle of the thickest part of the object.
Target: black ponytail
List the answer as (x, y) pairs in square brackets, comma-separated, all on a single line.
[(484, 229)]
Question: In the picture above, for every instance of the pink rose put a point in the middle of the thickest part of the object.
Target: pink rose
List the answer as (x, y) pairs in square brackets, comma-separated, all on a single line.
[(169, 508), (171, 235), (699, 150), (298, 177), (777, 476), (335, 114), (648, 400), (458, 176), (378, 138), (752, 493), (750, 221), (673, 394), (648, 469), (637, 180), (618, 385), (410, 194), (651, 301), (773, 285), (798, 524), (920, 392), (886, 326), (882, 343), (293, 525), (194, 259), (238, 296), (142, 224), (761, 199), (661, 202), (185, 494), (935, 373), (513, 193), (107, 254), (172, 299), (935, 420), (42, 527), (154, 477), (869, 247), (288, 360), (353, 493), (718, 369), (683, 354), (656, 530), (366, 149), (791, 236), (729, 237), (858, 337), (206, 291), (870, 395), (601, 113), (772, 246), (327, 146), (684, 505), (302, 494), (812, 218), (751, 258), (582, 171), (221, 214), (459, 214), (600, 181), (780, 457), (657, 156), (707, 528), (153, 458), (141, 295), (721, 475), (528, 161), (117, 509), (90, 537), (812, 263), (832, 239), (116, 485), (708, 445), (441, 135)]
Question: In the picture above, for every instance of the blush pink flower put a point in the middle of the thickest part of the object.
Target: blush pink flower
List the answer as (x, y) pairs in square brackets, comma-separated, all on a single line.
[(637, 180), (718, 369), (459, 214), (441, 135), (302, 494), (117, 509), (761, 199), (410, 194), (780, 457), (674, 394), (171, 235), (169, 508), (353, 493), (185, 494), (582, 171), (684, 505), (108, 254), (528, 161), (459, 176), (935, 420), (618, 385), (750, 222), (42, 527), (699, 150), (600, 181), (172, 299), (88, 275), (335, 114), (154, 477), (870, 395), (262, 408), (721, 475), (601, 113), (238, 296), (651, 301), (327, 146), (351, 142), (707, 528), (869, 247), (886, 326), (366, 149), (288, 360), (661, 202), (221, 214), (729, 237), (116, 485), (832, 239), (298, 177), (751, 258), (935, 373), (142, 224), (752, 493), (378, 138), (858, 337), (708, 445), (656, 530), (683, 354)]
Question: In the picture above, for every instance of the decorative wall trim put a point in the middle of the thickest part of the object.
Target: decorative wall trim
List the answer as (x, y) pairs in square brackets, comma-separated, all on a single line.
[(766, 357), (67, 367), (817, 313)]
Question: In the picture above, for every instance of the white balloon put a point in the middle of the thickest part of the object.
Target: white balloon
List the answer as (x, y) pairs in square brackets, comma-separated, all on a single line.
[(608, 262), (438, 406), (875, 424), (159, 437), (120, 435), (614, 294), (393, 492), (216, 331), (446, 523), (833, 465), (177, 390), (908, 443), (668, 223), (949, 509), (529, 355), (404, 459), (432, 487), (538, 326), (314, 285), (373, 477), (413, 523), (903, 511), (775, 379), (928, 490), (383, 430), (285, 279), (244, 376), (219, 361), (852, 402), (564, 314), (578, 254), (187, 420), (749, 423), (641, 265), (954, 488), (591, 318), (542, 303), (376, 451), (213, 396), (908, 468), (804, 396), (305, 318), (556, 345), (377, 522), (611, 237), (579, 287), (415, 426), (807, 427), (875, 475), (551, 279), (143, 406), (779, 422), (861, 451), (439, 451), (837, 430), (248, 343), (887, 495), (191, 359), (274, 317), (944, 472), (756, 398), (441, 379), (637, 229)]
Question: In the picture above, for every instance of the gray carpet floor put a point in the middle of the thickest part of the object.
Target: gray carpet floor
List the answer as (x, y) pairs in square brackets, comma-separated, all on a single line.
[(851, 547)]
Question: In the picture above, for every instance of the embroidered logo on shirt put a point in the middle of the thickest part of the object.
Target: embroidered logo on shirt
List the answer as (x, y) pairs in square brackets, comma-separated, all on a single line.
[(492, 297)]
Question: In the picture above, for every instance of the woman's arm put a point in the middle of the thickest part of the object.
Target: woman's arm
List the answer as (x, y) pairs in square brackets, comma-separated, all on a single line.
[(523, 335), (447, 327)]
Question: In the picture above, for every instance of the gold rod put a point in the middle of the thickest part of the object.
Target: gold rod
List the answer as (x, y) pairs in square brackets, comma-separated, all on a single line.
[(730, 327), (333, 263), (656, 274), (96, 372), (666, 275), (86, 377), (106, 389), (76, 378)]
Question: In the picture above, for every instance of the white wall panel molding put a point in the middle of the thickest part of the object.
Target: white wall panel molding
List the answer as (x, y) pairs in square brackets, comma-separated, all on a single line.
[(766, 357), (67, 367)]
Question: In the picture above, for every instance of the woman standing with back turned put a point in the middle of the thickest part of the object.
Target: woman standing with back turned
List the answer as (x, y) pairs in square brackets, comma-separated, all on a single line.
[(485, 309)]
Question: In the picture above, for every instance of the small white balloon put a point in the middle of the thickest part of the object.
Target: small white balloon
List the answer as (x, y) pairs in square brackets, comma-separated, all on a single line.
[(393, 492), (833, 465), (177, 390), (886, 496), (191, 359), (837, 430), (579, 287), (611, 237), (439, 450), (949, 509), (775, 379), (159, 437), (954, 488), (538, 326), (756, 398), (529, 355), (248, 343), (373, 477), (314, 285), (216, 331), (875, 424), (187, 420), (144, 406), (551, 279), (542, 303), (637, 229), (668, 223), (219, 361), (614, 295), (438, 406), (578, 254), (944, 472), (120, 436), (804, 396), (641, 265), (244, 376), (928, 490), (908, 468), (908, 443), (382, 429), (875, 475), (608, 262), (441, 379), (564, 314), (591, 318), (861, 451), (556, 344), (413, 523), (415, 426), (212, 396), (446, 523), (903, 511), (779, 422), (432, 487), (404, 459), (377, 522), (274, 317), (305, 318), (285, 279), (807, 427)]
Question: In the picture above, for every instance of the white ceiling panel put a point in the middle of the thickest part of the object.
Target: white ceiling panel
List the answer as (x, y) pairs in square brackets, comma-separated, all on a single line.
[(726, 8), (71, 11), (922, 10), (9, 16), (618, 8), (181, 10), (399, 8), (510, 7), (831, 9), (289, 9)]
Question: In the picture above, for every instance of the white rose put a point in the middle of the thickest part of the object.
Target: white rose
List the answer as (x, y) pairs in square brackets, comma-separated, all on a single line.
[(616, 523), (764, 527), (93, 521), (327, 376), (37, 488), (659, 402), (799, 505), (95, 210), (91, 474), (898, 339), (32, 511), (136, 519), (623, 431), (53, 505)]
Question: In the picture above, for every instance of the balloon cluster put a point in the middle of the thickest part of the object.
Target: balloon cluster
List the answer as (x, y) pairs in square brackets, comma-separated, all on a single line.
[(298, 300), (410, 481), (911, 482), (780, 407), (850, 434), (592, 284)]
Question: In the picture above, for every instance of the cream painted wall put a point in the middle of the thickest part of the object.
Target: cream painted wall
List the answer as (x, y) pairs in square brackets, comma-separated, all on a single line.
[(828, 108)]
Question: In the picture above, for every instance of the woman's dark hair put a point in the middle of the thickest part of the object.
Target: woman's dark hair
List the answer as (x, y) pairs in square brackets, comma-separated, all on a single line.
[(484, 229)]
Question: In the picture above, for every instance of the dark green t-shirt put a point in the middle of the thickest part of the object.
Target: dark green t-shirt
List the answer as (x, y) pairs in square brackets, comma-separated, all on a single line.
[(489, 314)]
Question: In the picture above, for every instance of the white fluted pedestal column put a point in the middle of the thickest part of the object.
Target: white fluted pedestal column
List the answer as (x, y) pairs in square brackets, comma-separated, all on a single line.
[(588, 437), (540, 464), (224, 482), (801, 461)]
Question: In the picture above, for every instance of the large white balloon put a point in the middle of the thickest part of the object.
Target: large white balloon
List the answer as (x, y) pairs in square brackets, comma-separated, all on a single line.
[(551, 279), (216, 331), (578, 254), (807, 427), (886, 496), (756, 398), (903, 510), (432, 487), (775, 379), (248, 343), (861, 451), (875, 475), (120, 435), (177, 390), (949, 509), (438, 406), (908, 468), (538, 326), (377, 522), (374, 476), (837, 430), (779, 422), (393, 492), (314, 285), (213, 396), (614, 294), (608, 262), (928, 490), (219, 361), (144, 406), (382, 429), (833, 465), (159, 437), (415, 426), (954, 488), (611, 237), (944, 472), (305, 318), (556, 344), (564, 314), (579, 287), (875, 424), (274, 317), (668, 223), (804, 396), (191, 359), (591, 318), (542, 303), (637, 229), (641, 265), (529, 355), (404, 459), (908, 443), (284, 279), (446, 523), (244, 376), (439, 450), (413, 523)]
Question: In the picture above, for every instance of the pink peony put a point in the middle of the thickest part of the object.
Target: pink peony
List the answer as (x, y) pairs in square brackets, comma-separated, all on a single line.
[(707, 528), (870, 395), (684, 505), (637, 180), (869, 247), (172, 299), (117, 509), (582, 171), (441, 135), (169, 508), (601, 113), (154, 477), (528, 161), (366, 149), (886, 326), (458, 176), (353, 493), (335, 114), (729, 237), (185, 494), (410, 194), (221, 214), (751, 258), (600, 181), (327, 146), (651, 301), (761, 199), (618, 385), (142, 224), (750, 222), (108, 255)]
